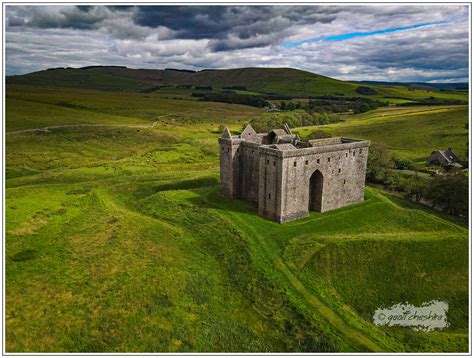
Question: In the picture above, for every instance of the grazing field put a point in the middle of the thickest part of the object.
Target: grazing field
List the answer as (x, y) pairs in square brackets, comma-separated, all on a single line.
[(117, 238), (408, 132)]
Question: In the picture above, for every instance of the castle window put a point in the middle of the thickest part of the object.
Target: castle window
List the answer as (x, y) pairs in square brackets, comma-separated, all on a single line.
[(306, 162), (353, 154), (294, 164), (329, 159), (269, 195), (360, 151), (346, 155), (339, 170), (228, 150), (273, 163), (268, 162), (253, 151), (344, 181), (317, 161)]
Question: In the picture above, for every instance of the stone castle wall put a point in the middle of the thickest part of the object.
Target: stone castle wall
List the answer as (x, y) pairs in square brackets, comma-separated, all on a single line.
[(278, 178)]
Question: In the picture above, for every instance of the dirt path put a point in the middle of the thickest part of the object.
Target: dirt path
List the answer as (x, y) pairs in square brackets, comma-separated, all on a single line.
[(46, 129)]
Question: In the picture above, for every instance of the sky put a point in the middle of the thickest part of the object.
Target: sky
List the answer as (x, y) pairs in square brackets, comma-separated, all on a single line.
[(427, 43)]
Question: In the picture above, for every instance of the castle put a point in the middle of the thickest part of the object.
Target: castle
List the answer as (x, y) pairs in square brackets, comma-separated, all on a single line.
[(288, 177)]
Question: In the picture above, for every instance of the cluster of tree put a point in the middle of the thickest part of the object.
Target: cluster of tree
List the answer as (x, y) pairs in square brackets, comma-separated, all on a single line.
[(341, 104), (449, 191), (290, 106), (332, 104), (294, 119), (366, 90), (276, 97), (231, 97)]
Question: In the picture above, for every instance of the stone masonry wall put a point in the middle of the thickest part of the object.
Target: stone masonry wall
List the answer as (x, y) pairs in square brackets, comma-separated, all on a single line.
[(280, 180), (343, 173)]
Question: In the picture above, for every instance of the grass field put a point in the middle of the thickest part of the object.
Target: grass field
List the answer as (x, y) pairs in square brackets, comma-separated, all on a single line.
[(117, 238), (408, 132)]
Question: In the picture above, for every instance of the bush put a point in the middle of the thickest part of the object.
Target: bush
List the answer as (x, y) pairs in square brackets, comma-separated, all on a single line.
[(403, 164)]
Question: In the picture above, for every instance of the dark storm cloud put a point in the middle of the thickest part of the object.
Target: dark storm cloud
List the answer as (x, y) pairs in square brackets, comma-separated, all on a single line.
[(195, 37), (197, 22)]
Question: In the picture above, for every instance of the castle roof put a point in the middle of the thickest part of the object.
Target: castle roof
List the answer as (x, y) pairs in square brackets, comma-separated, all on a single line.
[(226, 133), (284, 146)]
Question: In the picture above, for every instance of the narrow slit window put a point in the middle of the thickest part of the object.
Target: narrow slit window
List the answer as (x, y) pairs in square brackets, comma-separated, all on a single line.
[(306, 162), (329, 159), (269, 195), (353, 154), (317, 161), (268, 162), (344, 181), (360, 151), (346, 155), (273, 163), (339, 170), (294, 164)]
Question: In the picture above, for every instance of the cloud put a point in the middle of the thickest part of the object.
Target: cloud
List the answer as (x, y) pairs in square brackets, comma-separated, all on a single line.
[(356, 42), (351, 35)]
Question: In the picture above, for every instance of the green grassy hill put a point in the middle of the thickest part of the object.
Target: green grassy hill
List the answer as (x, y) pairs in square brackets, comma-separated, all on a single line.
[(409, 133), (117, 238), (266, 80), (283, 81)]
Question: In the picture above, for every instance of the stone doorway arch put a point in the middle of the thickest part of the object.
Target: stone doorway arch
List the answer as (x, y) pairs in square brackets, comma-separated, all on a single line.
[(315, 202)]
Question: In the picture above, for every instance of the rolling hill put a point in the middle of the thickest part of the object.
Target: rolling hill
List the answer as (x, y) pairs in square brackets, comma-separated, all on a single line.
[(264, 80), (281, 81)]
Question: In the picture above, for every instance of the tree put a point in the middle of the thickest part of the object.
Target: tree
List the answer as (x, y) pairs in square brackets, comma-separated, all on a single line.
[(416, 187), (378, 162), (450, 191)]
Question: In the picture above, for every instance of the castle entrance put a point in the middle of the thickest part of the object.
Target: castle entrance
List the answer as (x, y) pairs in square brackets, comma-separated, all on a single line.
[(315, 191)]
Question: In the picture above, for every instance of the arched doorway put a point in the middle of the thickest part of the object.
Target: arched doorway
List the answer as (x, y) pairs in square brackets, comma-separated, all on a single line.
[(315, 191)]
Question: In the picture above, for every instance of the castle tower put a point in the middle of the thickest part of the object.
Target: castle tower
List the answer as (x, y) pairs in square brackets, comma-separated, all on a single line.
[(230, 164)]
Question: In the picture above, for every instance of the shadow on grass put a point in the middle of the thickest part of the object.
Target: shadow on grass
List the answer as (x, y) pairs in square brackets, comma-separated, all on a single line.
[(213, 199)]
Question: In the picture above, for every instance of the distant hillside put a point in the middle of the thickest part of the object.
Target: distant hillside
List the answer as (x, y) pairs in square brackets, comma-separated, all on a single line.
[(283, 81), (441, 86)]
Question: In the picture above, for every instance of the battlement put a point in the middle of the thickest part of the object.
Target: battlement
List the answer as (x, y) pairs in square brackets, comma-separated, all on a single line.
[(278, 170)]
